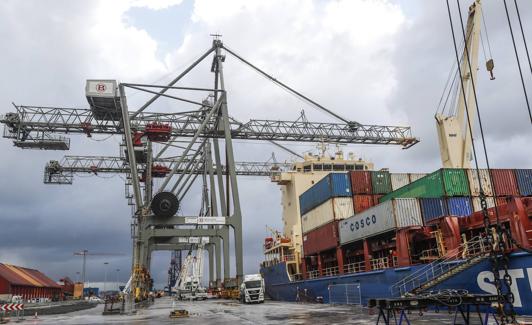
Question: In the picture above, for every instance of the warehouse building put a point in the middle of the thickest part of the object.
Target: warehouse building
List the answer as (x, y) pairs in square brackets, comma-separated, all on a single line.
[(28, 283)]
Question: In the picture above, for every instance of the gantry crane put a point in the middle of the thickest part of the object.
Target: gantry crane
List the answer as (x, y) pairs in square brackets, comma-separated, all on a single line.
[(154, 214)]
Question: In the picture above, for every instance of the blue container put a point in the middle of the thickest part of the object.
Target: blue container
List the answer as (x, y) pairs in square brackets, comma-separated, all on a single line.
[(332, 185), (88, 292), (433, 208), (459, 206), (524, 181)]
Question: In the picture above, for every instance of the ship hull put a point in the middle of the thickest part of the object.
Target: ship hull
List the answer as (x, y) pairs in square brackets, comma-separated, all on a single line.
[(376, 284)]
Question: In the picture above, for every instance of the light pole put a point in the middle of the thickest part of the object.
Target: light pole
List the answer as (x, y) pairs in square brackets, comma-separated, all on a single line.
[(105, 278)]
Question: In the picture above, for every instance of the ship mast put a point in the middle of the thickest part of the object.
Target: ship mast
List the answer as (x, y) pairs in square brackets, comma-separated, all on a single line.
[(453, 130)]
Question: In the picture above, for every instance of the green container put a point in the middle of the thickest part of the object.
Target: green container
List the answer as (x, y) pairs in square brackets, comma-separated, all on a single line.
[(455, 182), (441, 183), (381, 182)]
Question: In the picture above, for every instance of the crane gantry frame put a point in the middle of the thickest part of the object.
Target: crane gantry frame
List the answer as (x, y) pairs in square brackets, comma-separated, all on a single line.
[(35, 127)]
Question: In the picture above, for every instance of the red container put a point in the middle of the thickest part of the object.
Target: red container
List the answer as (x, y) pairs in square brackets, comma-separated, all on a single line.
[(376, 198), (361, 182), (363, 202), (504, 182), (321, 239)]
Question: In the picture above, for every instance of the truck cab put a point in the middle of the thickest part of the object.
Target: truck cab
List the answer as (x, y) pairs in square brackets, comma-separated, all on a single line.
[(252, 289)]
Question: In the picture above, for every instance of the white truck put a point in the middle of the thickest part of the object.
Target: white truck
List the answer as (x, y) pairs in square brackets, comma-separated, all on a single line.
[(252, 289)]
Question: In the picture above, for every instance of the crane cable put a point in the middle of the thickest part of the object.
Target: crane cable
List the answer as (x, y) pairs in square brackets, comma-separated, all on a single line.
[(523, 34), (508, 298), (517, 56)]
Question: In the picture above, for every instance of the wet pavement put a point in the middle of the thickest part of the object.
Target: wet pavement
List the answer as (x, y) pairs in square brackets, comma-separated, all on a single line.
[(232, 312)]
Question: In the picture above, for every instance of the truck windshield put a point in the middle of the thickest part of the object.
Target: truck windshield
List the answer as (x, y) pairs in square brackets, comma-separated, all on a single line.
[(253, 284)]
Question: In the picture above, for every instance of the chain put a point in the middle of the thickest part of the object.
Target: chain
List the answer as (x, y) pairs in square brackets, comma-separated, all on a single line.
[(496, 239)]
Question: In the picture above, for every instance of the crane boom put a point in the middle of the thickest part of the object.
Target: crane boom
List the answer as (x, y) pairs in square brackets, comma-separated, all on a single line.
[(35, 124), (453, 130), (62, 172)]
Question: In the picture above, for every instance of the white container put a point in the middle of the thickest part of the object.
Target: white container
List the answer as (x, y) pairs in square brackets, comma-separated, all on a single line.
[(476, 203), (392, 214), (416, 176), (399, 180), (484, 180), (337, 208)]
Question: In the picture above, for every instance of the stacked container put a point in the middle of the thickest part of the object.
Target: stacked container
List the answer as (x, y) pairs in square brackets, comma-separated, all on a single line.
[(524, 181), (332, 185), (321, 239), (387, 216), (504, 182), (336, 208)]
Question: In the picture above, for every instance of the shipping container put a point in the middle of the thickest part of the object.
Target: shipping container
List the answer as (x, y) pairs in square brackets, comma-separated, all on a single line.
[(455, 182), (459, 206), (384, 217), (362, 202), (376, 198), (432, 208), (399, 180), (504, 182), (484, 180), (361, 182), (380, 182), (524, 181), (443, 182), (78, 290), (337, 208), (321, 239), (332, 185), (476, 203), (415, 176)]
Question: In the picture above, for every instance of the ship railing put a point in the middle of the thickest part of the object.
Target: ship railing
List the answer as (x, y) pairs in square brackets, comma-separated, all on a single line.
[(313, 274), (465, 252), (289, 258), (379, 263), (355, 267), (330, 271)]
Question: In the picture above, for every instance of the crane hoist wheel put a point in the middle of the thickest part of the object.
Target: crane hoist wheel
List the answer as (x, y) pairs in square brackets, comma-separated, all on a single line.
[(165, 204)]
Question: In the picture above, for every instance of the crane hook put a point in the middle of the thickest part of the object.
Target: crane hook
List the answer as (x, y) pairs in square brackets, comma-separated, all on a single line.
[(489, 66)]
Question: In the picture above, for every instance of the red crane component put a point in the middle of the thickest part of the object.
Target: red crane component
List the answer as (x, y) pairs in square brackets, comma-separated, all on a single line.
[(159, 171), (137, 138), (87, 128), (156, 131)]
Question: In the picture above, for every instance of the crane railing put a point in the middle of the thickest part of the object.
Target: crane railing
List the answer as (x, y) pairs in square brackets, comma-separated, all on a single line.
[(466, 252)]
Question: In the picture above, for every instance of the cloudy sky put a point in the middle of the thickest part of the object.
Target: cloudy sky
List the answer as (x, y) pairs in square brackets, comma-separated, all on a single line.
[(375, 62)]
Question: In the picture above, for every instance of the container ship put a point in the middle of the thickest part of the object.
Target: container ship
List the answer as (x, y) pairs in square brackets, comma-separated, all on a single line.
[(377, 234)]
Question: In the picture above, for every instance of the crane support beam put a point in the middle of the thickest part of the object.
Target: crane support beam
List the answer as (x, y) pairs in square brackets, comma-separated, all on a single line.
[(31, 122)]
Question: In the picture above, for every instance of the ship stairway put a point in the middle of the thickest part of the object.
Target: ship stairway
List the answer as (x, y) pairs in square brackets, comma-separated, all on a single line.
[(455, 261)]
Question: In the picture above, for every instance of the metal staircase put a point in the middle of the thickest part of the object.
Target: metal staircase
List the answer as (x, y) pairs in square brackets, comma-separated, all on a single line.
[(455, 261)]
